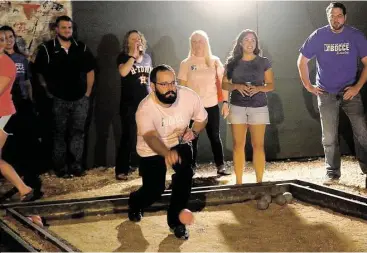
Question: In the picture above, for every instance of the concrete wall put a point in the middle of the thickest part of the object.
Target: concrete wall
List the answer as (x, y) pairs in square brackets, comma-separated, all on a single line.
[(282, 28)]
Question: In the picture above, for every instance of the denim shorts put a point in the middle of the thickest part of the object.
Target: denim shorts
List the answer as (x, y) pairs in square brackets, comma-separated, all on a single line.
[(4, 123), (248, 115)]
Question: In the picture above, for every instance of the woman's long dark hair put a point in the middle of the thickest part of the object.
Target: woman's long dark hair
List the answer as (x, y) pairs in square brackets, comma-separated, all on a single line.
[(16, 48), (237, 52)]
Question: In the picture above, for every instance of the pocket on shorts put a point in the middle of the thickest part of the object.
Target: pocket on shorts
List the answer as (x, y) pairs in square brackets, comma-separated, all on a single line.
[(237, 115), (259, 116)]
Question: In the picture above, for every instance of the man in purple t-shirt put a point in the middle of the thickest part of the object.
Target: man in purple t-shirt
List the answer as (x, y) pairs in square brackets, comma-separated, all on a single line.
[(337, 48)]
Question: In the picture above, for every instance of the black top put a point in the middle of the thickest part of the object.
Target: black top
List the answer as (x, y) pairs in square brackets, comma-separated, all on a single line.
[(65, 72), (135, 85)]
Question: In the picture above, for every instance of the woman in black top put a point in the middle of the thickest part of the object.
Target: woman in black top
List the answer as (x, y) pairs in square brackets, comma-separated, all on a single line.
[(134, 66)]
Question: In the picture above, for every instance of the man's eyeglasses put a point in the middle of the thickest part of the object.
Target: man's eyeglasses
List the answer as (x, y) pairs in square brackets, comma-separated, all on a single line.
[(172, 84)]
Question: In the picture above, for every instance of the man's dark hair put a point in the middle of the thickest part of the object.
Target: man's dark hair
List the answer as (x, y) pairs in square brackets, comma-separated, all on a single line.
[(336, 5), (163, 67), (63, 18)]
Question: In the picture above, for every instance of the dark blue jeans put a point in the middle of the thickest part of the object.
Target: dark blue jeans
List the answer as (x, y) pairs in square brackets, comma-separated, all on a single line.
[(69, 119), (329, 105)]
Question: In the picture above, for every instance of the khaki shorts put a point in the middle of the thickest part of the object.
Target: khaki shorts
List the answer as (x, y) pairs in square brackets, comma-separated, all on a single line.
[(248, 115)]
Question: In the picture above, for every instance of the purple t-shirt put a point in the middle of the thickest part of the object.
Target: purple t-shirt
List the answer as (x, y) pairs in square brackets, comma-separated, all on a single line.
[(336, 55), (19, 90), (252, 72)]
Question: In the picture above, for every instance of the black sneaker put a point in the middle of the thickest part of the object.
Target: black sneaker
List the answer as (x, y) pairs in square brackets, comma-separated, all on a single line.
[(180, 232), (63, 174), (135, 216), (78, 173), (133, 169)]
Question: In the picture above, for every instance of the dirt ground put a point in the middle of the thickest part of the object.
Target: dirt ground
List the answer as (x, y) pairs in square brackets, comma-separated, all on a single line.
[(239, 227), (101, 181), (226, 228)]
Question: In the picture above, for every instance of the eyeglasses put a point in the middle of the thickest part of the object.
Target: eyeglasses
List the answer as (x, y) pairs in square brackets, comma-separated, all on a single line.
[(172, 84)]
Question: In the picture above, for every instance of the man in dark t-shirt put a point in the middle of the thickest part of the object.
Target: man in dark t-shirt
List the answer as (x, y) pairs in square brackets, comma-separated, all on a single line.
[(134, 66), (66, 69)]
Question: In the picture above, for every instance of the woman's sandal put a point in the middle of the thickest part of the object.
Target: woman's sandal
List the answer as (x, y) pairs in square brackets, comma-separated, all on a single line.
[(27, 197)]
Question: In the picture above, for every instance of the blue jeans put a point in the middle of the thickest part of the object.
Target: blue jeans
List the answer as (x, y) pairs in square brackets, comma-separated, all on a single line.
[(329, 105)]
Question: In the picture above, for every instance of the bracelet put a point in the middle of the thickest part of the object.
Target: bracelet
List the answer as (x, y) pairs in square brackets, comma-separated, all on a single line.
[(225, 101), (196, 134)]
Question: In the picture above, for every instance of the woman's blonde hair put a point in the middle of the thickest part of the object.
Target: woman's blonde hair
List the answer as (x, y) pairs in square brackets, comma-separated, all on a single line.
[(125, 42), (207, 50)]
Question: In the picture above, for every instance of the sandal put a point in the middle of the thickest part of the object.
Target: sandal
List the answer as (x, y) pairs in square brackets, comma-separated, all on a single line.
[(27, 197)]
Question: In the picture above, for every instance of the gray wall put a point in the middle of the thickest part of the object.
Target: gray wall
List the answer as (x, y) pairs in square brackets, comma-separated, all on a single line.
[(282, 28)]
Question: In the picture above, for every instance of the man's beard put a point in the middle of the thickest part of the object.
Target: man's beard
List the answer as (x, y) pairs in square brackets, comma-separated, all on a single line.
[(337, 27), (64, 38), (164, 99)]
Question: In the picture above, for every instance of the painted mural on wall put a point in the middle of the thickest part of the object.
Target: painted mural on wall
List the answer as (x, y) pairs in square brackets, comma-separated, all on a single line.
[(32, 20)]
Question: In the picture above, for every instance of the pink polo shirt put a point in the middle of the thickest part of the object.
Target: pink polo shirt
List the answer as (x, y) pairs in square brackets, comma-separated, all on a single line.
[(202, 78), (7, 69)]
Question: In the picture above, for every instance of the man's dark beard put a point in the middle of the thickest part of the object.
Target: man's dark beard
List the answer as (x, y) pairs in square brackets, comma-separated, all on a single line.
[(166, 100), (64, 38), (338, 28)]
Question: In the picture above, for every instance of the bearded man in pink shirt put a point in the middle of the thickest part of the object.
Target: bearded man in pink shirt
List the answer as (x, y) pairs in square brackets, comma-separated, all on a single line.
[(164, 140)]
